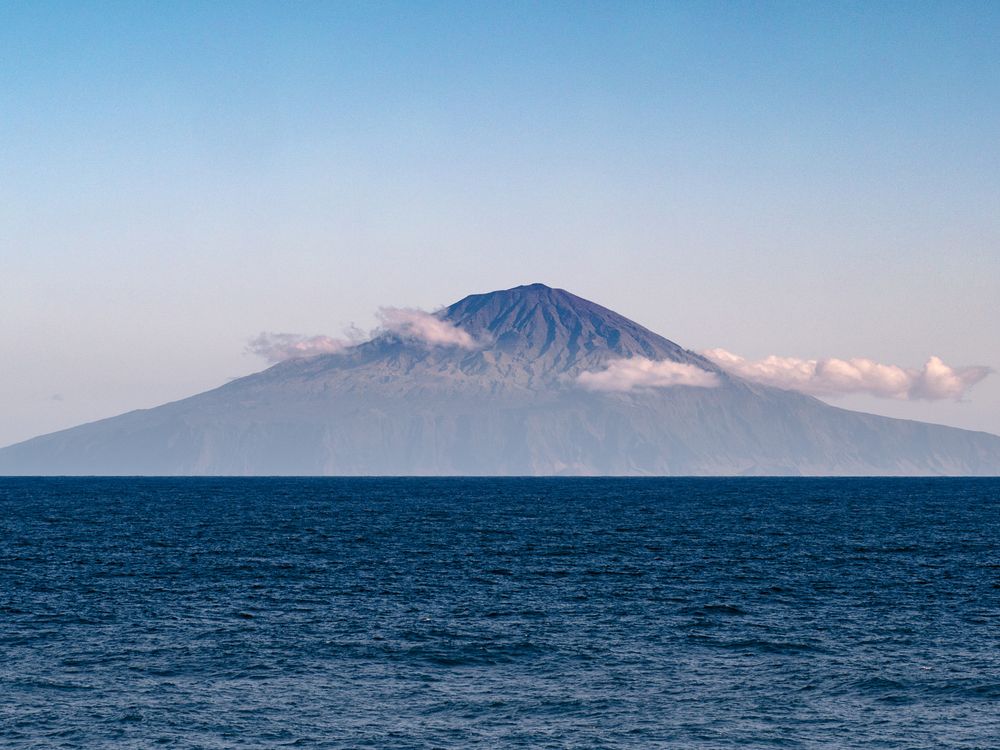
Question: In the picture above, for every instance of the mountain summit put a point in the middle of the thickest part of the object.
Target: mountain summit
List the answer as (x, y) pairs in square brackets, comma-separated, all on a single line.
[(527, 381), (557, 331)]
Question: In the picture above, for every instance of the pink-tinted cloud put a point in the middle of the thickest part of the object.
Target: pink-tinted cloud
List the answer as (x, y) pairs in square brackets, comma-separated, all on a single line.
[(640, 373), (417, 324), (277, 347), (839, 377), (404, 322)]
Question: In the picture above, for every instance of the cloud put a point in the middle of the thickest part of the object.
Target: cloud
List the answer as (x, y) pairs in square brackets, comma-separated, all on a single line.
[(404, 322), (840, 377), (277, 347), (937, 380), (417, 324), (639, 372)]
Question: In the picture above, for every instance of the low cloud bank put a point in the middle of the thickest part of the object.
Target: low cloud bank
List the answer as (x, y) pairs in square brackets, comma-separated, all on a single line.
[(277, 347), (839, 377), (623, 375), (417, 324)]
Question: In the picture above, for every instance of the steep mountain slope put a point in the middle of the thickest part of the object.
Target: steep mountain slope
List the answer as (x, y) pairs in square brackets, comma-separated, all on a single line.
[(509, 404)]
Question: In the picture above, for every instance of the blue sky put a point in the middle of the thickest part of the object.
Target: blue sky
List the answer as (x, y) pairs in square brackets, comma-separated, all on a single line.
[(802, 179)]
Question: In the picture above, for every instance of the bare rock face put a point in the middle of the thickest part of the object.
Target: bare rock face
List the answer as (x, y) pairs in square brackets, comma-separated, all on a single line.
[(509, 403)]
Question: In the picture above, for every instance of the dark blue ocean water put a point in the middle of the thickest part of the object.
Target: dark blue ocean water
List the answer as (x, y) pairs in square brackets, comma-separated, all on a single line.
[(489, 613)]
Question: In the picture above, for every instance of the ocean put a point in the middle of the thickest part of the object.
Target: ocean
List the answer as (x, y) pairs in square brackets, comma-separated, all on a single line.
[(499, 613)]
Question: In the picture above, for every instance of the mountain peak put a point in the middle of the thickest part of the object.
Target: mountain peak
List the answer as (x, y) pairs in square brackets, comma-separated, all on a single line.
[(557, 329), (526, 337)]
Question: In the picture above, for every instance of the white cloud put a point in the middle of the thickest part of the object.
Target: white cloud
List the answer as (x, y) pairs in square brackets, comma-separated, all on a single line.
[(937, 380), (639, 372), (839, 377), (404, 322), (277, 347), (417, 324)]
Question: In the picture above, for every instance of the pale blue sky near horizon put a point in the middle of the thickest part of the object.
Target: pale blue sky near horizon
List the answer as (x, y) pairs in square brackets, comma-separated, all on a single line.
[(801, 179)]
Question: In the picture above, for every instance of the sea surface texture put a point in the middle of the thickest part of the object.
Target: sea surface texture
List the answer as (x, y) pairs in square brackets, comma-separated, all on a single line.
[(499, 613)]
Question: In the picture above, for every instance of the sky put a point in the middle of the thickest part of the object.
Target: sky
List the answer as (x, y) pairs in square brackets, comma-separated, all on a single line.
[(806, 180)]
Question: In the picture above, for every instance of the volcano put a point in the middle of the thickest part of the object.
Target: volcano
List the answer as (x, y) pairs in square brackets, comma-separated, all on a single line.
[(507, 399)]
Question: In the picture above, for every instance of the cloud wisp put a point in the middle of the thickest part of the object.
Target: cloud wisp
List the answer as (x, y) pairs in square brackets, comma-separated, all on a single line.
[(277, 347), (407, 323), (623, 375), (830, 377), (416, 324)]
